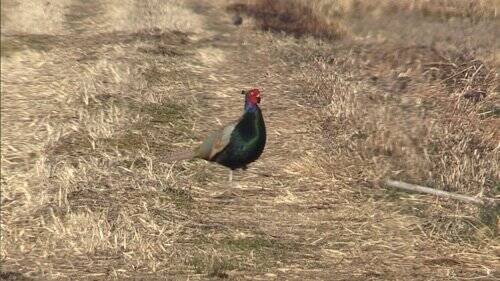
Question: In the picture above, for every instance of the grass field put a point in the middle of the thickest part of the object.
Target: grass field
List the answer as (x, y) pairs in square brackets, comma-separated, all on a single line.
[(95, 94)]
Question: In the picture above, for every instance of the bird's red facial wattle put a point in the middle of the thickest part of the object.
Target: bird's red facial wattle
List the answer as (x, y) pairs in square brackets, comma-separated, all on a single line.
[(254, 96)]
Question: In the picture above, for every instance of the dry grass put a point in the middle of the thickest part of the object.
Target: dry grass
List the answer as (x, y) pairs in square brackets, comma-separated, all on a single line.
[(417, 100), (92, 101), (442, 9), (422, 129), (298, 18), (133, 16), (422, 108), (34, 17), (329, 19), (73, 115), (433, 96)]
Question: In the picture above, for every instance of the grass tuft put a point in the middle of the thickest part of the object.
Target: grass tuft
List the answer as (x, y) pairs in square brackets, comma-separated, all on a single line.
[(292, 17), (212, 265)]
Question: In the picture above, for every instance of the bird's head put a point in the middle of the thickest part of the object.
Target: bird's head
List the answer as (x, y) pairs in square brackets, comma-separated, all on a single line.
[(252, 96)]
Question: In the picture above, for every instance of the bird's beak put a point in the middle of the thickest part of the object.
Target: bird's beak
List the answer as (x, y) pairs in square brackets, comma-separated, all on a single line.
[(244, 92)]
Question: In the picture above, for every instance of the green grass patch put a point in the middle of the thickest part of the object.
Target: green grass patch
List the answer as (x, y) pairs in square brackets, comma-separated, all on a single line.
[(256, 244), (213, 266)]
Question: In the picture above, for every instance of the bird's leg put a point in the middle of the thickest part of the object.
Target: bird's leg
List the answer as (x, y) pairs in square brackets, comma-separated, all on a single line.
[(233, 184)]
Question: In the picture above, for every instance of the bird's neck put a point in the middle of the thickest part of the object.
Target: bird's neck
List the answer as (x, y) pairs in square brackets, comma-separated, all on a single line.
[(250, 106)]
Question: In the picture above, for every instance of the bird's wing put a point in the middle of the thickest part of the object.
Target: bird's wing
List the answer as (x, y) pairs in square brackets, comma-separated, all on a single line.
[(216, 142)]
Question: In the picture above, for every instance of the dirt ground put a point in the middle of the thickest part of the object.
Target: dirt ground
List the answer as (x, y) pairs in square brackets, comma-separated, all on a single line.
[(96, 93)]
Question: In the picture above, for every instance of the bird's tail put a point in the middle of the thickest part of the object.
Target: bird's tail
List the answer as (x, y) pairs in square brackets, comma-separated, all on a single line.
[(179, 155)]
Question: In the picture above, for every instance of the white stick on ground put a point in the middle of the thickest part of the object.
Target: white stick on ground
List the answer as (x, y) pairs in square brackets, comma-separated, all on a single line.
[(418, 188)]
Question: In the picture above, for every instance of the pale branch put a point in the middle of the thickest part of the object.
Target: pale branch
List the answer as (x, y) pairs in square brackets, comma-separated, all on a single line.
[(423, 189)]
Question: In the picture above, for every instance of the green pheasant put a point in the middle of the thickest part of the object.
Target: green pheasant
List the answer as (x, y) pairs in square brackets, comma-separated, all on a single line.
[(238, 143)]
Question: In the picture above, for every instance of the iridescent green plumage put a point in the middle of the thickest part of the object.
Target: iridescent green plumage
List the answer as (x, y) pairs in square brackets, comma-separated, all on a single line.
[(246, 141)]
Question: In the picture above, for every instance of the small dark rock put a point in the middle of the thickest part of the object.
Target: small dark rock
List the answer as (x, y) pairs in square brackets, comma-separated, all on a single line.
[(237, 20), (474, 95)]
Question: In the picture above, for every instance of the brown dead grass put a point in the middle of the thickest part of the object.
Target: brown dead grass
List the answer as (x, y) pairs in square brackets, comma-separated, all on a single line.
[(441, 9), (74, 108), (88, 113), (293, 17), (412, 101), (132, 16), (34, 17), (423, 126), (433, 96), (327, 18), (422, 109)]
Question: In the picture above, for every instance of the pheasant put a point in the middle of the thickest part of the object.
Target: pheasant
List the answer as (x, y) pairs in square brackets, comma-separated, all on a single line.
[(238, 143)]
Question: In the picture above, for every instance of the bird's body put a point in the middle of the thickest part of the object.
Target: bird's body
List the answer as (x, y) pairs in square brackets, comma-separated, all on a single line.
[(238, 143), (246, 141)]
